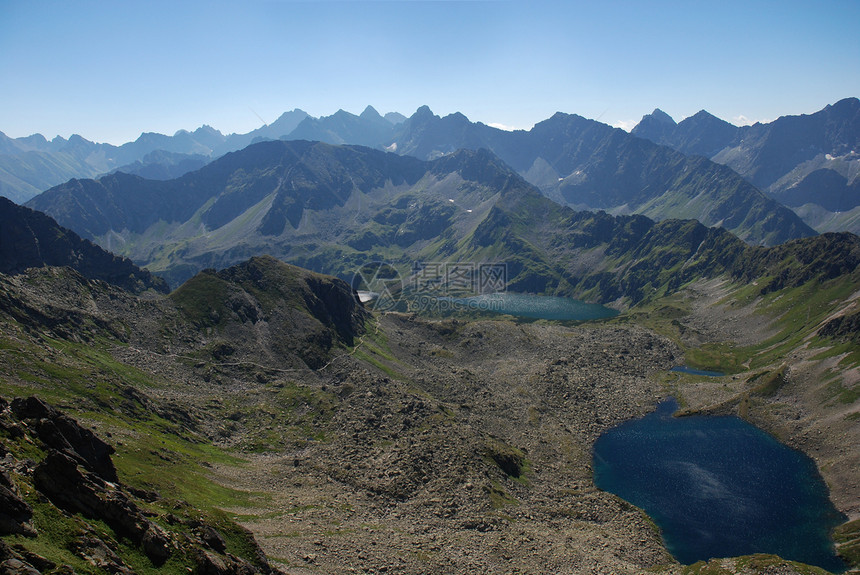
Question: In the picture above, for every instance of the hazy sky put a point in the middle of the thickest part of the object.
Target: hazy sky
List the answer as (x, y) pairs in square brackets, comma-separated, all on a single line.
[(108, 70)]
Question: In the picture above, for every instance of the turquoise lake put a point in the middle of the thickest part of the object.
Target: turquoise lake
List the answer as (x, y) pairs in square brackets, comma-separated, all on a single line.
[(529, 306), (719, 487)]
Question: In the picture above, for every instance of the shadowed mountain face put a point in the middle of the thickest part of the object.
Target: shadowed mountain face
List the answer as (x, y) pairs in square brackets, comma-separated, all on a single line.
[(327, 207), (32, 239), (589, 165), (295, 176), (798, 160)]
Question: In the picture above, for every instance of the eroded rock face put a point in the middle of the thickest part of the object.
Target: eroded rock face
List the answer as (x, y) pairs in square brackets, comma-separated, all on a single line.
[(12, 562), (97, 552), (15, 513), (63, 433), (68, 487), (15, 566)]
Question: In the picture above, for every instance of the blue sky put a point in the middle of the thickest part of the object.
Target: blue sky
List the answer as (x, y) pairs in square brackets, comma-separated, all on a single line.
[(111, 70)]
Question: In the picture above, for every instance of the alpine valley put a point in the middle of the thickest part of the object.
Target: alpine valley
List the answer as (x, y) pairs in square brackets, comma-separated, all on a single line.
[(189, 381)]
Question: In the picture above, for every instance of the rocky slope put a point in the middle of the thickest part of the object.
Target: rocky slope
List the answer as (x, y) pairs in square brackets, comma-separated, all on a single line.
[(286, 310), (73, 489)]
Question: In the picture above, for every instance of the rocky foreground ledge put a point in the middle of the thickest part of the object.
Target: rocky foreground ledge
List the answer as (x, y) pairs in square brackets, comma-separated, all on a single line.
[(74, 477)]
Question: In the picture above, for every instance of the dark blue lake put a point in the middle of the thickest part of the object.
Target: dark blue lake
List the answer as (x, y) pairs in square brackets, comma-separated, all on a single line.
[(531, 306), (719, 487)]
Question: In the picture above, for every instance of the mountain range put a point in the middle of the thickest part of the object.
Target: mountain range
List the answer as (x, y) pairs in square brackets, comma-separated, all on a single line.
[(810, 163), (332, 209), (588, 165), (575, 161), (33, 164)]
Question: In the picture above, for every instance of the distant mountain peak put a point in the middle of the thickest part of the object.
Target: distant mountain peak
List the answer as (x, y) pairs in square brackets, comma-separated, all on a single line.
[(657, 126), (846, 105), (370, 113), (206, 129), (287, 116), (703, 114), (459, 116), (661, 116), (423, 113)]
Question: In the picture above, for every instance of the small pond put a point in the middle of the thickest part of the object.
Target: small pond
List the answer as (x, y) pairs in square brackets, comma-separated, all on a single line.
[(702, 372), (719, 487)]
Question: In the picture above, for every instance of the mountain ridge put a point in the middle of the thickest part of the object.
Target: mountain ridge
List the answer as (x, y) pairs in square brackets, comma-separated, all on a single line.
[(565, 172), (31, 239), (589, 165), (803, 161), (29, 165)]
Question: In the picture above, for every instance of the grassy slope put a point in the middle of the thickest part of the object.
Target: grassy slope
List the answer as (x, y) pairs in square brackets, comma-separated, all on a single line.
[(159, 446), (153, 453)]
